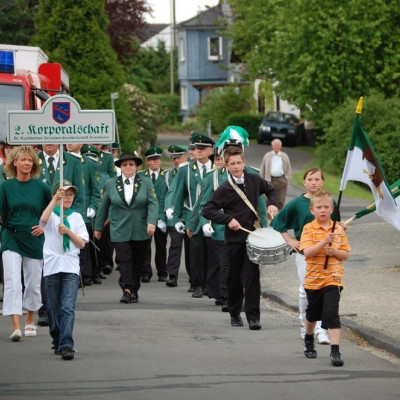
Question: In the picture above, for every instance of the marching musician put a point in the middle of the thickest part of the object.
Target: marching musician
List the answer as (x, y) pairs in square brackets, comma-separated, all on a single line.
[(238, 197)]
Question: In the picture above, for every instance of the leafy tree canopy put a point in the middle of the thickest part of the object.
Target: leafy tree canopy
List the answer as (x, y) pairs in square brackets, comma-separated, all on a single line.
[(75, 34), (320, 53)]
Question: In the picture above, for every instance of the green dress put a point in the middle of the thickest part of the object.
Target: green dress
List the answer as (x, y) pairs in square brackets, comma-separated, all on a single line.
[(21, 206)]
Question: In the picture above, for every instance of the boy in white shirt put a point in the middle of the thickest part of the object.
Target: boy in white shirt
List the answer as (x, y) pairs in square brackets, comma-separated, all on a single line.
[(61, 265)]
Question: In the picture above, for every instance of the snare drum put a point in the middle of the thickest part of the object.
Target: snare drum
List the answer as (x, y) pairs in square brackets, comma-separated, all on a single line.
[(270, 249)]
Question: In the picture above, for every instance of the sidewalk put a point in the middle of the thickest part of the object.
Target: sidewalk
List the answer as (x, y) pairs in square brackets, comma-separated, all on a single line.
[(370, 303)]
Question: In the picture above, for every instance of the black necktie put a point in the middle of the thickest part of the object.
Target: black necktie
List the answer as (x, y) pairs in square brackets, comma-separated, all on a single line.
[(153, 177), (51, 168), (127, 181)]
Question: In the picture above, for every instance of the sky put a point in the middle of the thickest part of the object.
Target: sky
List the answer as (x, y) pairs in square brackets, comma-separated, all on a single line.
[(184, 9)]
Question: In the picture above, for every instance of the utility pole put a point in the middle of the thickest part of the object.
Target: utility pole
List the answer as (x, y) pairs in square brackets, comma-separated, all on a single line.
[(173, 45)]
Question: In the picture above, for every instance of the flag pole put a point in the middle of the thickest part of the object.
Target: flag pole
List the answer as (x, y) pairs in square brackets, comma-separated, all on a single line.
[(358, 111)]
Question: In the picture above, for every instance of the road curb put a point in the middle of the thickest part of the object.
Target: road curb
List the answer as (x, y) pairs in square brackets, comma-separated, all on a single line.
[(371, 336)]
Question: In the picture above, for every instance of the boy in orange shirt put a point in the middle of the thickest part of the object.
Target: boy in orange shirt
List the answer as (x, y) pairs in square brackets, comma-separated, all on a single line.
[(323, 285)]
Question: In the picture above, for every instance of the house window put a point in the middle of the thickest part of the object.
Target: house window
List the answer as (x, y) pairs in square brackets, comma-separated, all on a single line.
[(182, 50), (215, 48), (184, 98)]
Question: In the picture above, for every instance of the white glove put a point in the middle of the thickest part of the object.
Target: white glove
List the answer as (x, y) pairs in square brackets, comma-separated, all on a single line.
[(169, 212), (161, 225), (180, 227), (90, 213), (208, 230)]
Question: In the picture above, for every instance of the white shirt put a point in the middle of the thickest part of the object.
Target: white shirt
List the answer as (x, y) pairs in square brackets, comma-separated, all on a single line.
[(200, 166), (239, 180), (55, 162), (54, 260), (128, 189), (156, 173), (277, 165)]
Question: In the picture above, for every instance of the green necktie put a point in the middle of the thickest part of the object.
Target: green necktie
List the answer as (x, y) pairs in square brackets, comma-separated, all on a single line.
[(204, 171), (153, 177), (51, 168)]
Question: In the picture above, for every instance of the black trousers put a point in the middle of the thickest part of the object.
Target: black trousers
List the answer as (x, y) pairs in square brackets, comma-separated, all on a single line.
[(198, 260), (160, 257), (85, 258), (130, 257), (243, 274), (105, 255), (175, 252), (218, 269)]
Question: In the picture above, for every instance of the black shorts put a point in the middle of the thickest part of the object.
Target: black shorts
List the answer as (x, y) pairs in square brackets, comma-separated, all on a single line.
[(323, 305)]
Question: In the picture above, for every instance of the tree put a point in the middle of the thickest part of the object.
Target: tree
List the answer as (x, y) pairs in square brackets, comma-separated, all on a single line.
[(150, 69), (126, 21), (380, 119), (320, 53), (74, 33), (16, 21)]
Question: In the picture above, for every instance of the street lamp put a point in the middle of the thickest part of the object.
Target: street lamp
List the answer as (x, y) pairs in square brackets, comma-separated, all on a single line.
[(115, 96)]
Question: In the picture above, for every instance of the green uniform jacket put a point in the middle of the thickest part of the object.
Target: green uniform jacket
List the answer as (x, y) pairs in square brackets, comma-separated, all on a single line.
[(187, 191), (214, 180), (128, 222), (170, 196), (72, 171), (160, 188), (106, 164), (93, 185)]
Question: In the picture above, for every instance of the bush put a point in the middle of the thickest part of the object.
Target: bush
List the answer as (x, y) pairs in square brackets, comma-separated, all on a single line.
[(169, 107), (248, 121), (380, 119), (220, 103)]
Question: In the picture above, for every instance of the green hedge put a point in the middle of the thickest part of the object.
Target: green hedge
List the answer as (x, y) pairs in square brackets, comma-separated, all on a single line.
[(248, 121)]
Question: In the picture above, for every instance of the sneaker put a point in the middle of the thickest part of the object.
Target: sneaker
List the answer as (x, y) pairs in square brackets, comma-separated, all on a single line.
[(336, 358), (16, 335), (309, 350), (323, 337), (67, 353)]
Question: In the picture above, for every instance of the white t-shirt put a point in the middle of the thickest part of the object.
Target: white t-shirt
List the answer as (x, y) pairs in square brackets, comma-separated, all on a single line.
[(54, 260)]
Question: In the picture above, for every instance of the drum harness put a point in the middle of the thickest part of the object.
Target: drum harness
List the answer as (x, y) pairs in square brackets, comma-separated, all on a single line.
[(257, 223)]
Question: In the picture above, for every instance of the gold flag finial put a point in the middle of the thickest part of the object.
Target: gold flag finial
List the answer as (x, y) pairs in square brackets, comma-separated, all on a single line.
[(359, 106)]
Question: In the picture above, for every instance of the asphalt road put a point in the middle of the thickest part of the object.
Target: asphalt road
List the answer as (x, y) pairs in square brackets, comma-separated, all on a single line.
[(171, 346)]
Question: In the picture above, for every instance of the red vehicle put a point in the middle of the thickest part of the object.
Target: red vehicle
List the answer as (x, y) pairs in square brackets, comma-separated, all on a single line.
[(27, 80)]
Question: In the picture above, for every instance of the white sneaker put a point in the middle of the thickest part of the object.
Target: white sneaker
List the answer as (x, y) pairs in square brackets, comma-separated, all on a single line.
[(16, 335), (323, 337), (303, 332)]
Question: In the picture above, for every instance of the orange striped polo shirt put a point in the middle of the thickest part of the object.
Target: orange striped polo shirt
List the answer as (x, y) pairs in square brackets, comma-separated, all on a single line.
[(316, 276)]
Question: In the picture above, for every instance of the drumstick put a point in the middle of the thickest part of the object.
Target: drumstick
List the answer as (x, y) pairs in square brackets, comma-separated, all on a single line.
[(251, 232)]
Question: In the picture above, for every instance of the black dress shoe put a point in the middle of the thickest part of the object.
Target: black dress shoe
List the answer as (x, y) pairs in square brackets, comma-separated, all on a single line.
[(145, 279), (102, 276), (236, 320), (67, 353), (97, 281), (197, 292), (172, 281), (135, 297), (43, 320), (162, 279), (57, 352), (254, 324), (224, 308), (107, 269), (190, 290), (87, 282), (126, 298)]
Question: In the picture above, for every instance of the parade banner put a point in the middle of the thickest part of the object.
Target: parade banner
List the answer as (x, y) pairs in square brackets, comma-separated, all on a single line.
[(60, 120)]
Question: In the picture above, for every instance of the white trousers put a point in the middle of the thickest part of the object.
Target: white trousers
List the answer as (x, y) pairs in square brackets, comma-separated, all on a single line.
[(14, 264), (303, 303)]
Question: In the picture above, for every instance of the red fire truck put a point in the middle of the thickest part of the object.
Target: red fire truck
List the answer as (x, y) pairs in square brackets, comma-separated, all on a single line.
[(27, 80)]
